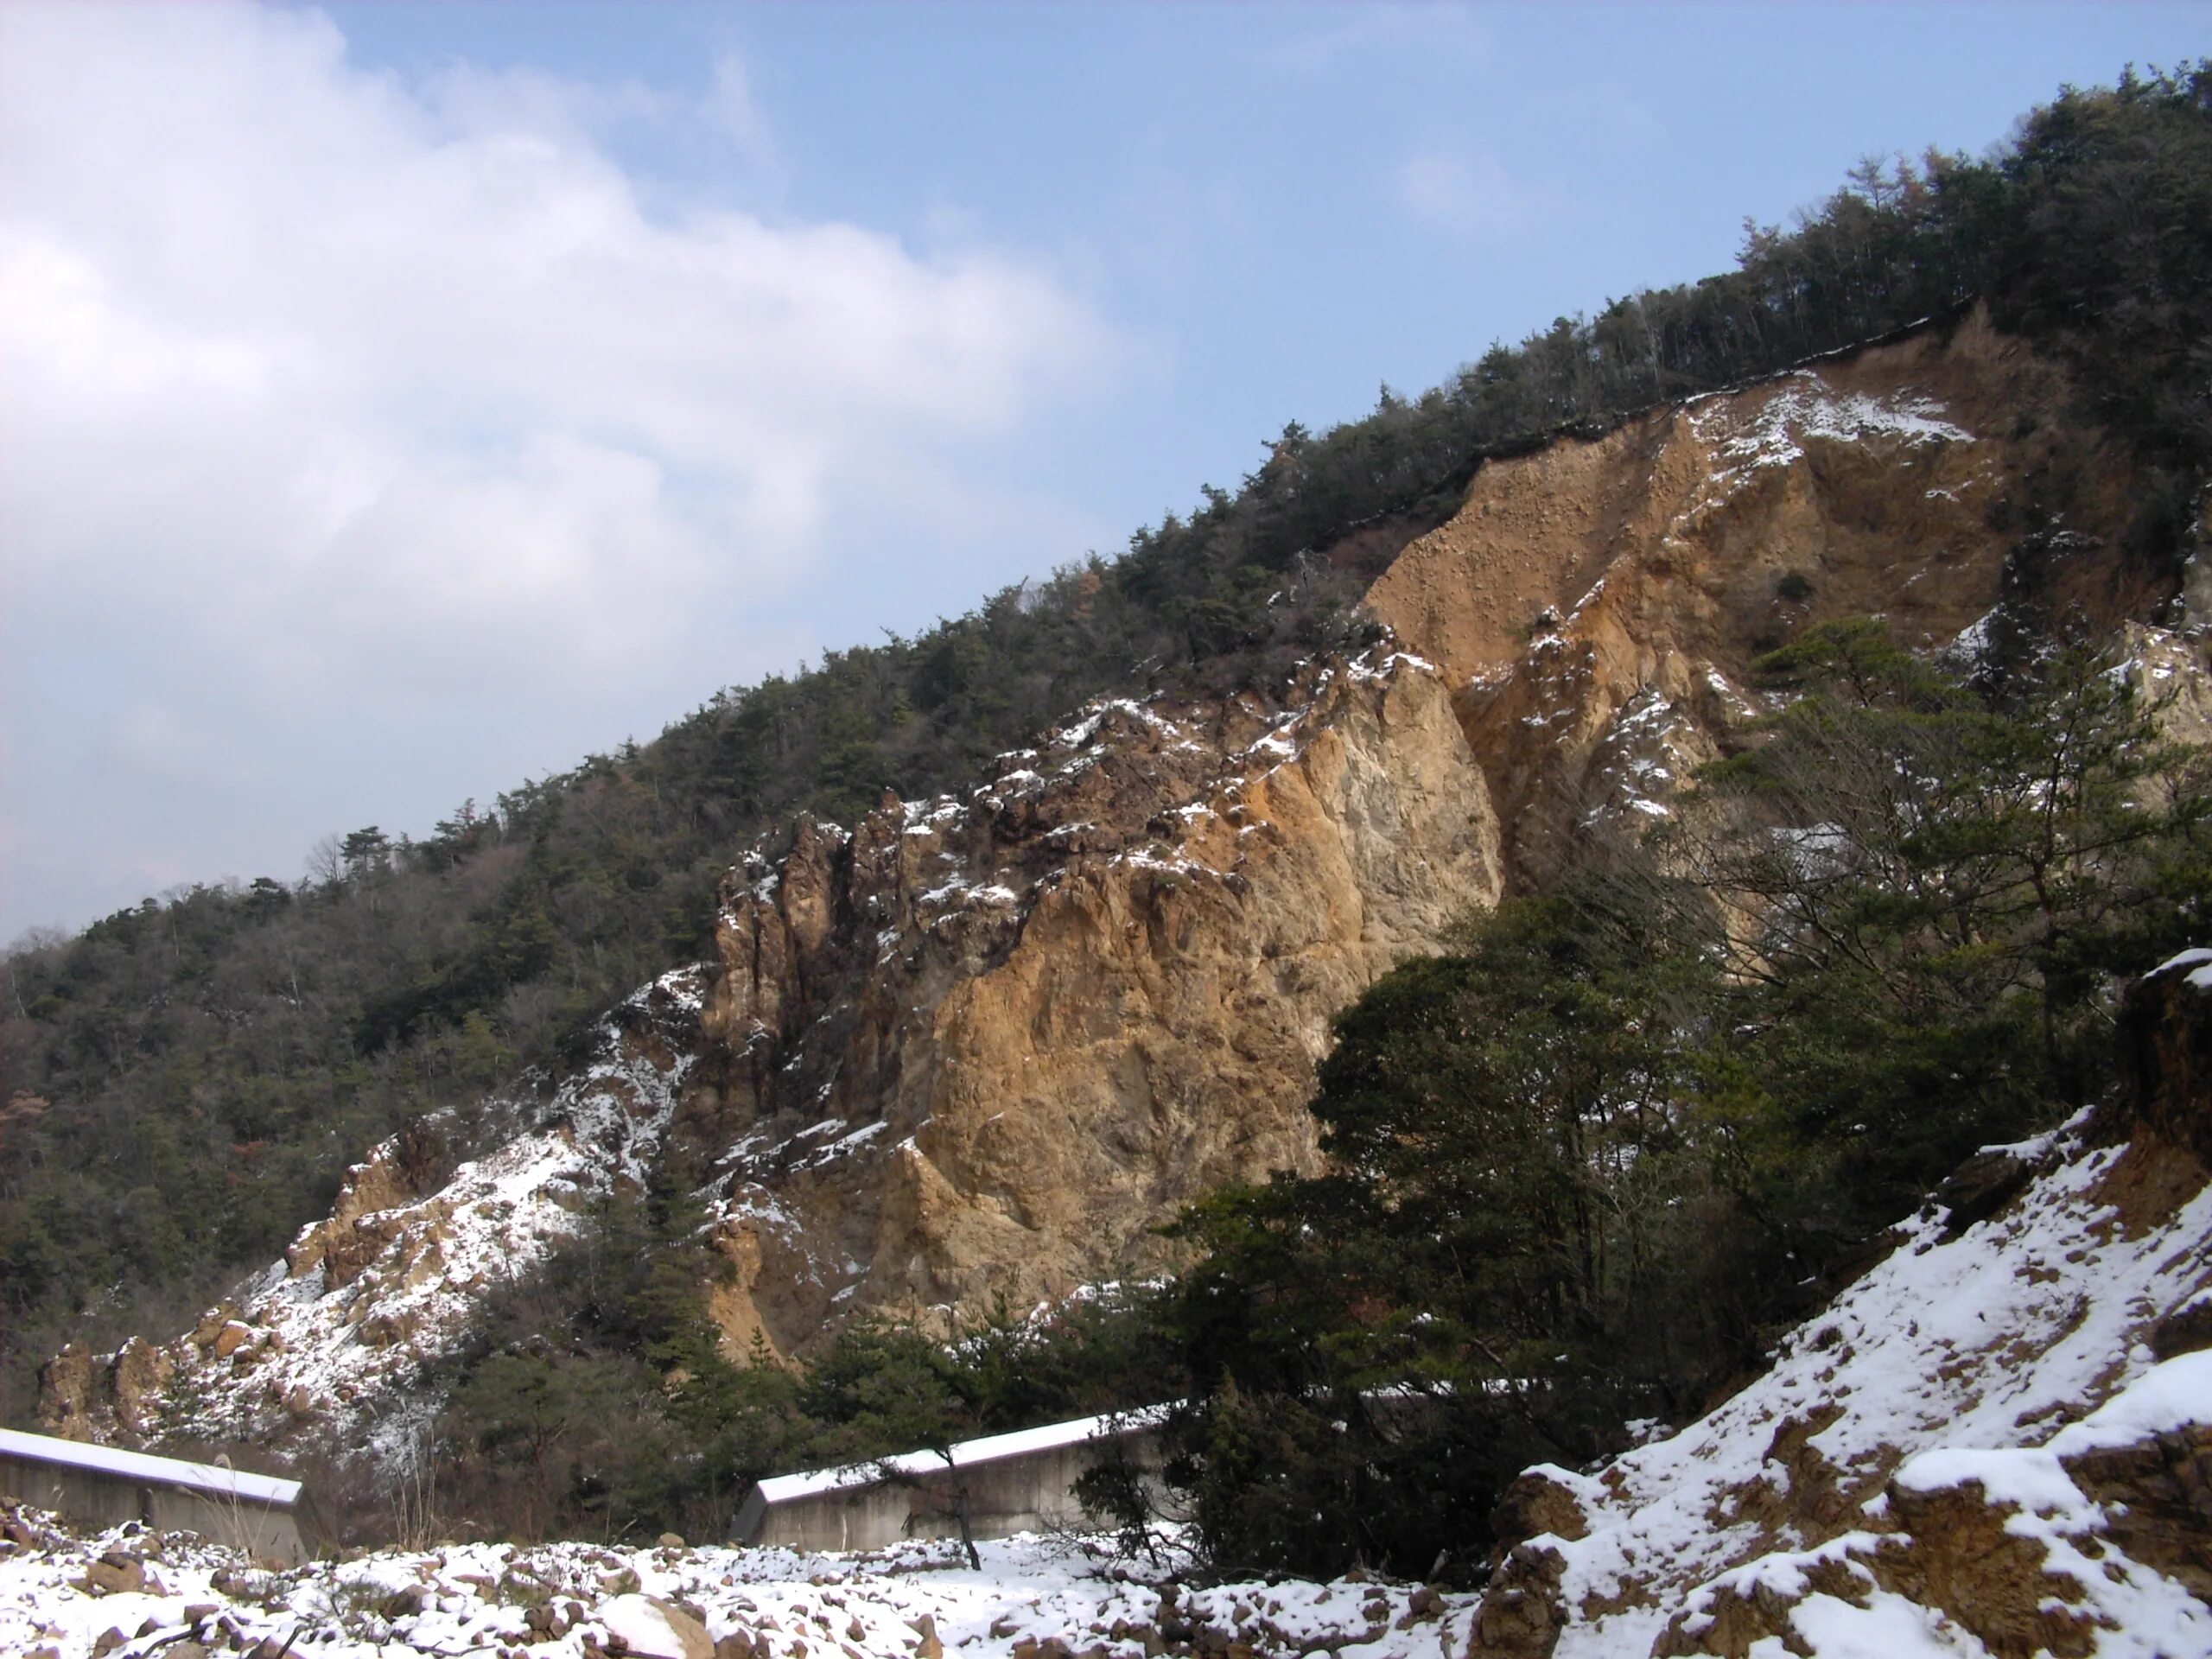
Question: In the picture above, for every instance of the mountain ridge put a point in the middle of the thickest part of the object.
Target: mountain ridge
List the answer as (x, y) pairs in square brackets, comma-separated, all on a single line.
[(978, 1047)]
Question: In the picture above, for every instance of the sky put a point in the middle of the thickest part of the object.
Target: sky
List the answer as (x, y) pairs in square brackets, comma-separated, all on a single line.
[(400, 401)]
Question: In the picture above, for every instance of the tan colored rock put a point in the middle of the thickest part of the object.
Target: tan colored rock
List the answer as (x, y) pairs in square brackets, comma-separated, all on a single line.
[(137, 1380), (1044, 1022), (1027, 1027), (348, 1248), (652, 1628), (1535, 1503), (118, 1573), (1599, 579), (742, 1334), (1522, 1611), (65, 1393), (211, 1325), (370, 1188), (691, 1635)]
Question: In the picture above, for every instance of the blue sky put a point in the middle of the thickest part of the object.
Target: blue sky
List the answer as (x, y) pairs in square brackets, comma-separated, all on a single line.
[(409, 398)]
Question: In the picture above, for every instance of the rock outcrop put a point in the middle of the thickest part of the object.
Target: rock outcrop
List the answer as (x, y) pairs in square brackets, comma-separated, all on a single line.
[(2166, 1038), (1594, 606), (980, 1046)]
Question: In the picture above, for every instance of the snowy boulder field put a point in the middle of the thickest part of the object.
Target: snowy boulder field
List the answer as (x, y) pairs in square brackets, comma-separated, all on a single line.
[(1035, 1599)]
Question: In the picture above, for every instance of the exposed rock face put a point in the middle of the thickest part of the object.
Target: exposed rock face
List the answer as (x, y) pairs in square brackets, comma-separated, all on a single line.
[(980, 1046), (344, 1245), (71, 1390), (1594, 606)]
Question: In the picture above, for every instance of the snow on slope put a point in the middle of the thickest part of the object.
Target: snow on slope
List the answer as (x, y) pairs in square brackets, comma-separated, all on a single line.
[(1936, 1391), (342, 1346)]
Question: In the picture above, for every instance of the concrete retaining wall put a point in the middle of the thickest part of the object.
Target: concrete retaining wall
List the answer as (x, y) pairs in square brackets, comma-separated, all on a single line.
[(1010, 1482), (96, 1486)]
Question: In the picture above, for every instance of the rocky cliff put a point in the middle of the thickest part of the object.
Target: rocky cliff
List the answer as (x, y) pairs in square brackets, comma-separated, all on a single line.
[(978, 1046), (982, 1043)]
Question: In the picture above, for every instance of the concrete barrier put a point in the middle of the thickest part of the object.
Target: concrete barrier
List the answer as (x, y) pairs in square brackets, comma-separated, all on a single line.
[(99, 1486), (1023, 1481)]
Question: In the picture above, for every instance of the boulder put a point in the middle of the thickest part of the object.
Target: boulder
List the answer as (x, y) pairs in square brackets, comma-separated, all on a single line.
[(651, 1628), (2165, 1047)]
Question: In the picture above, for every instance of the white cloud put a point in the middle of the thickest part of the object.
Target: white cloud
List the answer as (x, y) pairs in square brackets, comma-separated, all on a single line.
[(316, 317), (1460, 195), (344, 390)]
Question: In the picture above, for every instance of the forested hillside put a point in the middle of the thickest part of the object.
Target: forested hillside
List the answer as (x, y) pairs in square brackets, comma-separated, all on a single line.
[(185, 1081)]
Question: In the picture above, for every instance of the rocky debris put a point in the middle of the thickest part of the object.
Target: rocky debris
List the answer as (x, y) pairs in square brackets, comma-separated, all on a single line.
[(649, 1627), (117, 1572), (370, 1188), (1522, 1613), (1035, 1599), (2106, 1547)]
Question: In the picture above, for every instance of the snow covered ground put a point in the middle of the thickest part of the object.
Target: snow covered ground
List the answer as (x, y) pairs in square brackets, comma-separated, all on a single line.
[(1035, 1599)]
